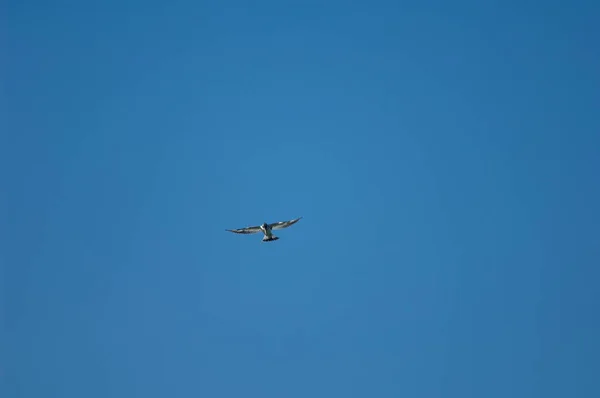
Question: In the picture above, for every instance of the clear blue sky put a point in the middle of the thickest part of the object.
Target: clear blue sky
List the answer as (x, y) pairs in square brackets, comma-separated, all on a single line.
[(444, 156)]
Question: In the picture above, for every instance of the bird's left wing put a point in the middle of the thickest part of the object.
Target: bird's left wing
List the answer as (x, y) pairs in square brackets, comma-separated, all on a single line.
[(284, 224), (247, 230)]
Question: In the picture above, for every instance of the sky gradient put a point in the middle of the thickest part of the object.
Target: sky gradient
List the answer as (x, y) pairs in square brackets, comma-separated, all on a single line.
[(444, 158)]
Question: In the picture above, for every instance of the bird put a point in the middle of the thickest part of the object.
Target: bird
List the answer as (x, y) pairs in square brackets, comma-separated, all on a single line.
[(266, 229)]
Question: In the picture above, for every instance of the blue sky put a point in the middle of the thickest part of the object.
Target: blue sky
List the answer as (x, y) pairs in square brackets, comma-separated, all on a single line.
[(444, 157)]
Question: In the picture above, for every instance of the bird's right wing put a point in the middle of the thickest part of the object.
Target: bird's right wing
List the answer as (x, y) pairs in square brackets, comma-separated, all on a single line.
[(284, 224), (247, 230)]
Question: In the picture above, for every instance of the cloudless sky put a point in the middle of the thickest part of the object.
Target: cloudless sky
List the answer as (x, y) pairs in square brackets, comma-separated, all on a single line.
[(444, 156)]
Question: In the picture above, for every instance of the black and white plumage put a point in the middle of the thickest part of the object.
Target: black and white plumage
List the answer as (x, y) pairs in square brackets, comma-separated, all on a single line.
[(266, 229)]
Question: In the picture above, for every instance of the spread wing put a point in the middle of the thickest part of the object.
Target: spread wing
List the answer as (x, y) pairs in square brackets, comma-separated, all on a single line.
[(247, 230), (284, 224)]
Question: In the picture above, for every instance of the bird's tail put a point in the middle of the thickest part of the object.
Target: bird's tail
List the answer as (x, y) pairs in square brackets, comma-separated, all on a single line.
[(267, 239)]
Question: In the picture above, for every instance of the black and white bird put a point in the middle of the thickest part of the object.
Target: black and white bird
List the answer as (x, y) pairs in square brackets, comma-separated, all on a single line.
[(266, 229)]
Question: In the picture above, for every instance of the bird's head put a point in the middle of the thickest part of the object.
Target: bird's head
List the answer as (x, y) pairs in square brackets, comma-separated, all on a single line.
[(264, 225)]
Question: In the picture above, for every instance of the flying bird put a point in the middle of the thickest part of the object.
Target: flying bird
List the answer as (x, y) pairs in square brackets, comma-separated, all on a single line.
[(266, 229)]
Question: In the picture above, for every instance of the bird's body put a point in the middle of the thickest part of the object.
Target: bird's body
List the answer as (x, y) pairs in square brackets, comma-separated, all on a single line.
[(266, 229)]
